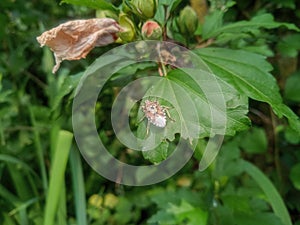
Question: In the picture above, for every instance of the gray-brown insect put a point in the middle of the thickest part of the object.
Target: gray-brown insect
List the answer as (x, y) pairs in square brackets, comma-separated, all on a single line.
[(155, 113)]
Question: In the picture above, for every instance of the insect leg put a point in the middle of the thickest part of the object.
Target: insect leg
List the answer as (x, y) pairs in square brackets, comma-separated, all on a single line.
[(168, 113), (148, 127), (141, 120)]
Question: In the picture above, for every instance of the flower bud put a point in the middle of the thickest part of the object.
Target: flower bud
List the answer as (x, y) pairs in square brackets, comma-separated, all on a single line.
[(151, 30), (127, 33), (187, 21), (142, 47), (106, 14), (145, 9)]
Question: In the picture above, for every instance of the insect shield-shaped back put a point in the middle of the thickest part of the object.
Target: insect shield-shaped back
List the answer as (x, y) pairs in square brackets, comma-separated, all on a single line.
[(155, 113)]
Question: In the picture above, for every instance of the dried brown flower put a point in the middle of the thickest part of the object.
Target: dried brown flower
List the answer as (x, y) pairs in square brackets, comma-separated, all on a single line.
[(73, 40)]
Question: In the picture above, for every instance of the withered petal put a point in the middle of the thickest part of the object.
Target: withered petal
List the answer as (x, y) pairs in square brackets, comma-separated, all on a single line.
[(73, 40)]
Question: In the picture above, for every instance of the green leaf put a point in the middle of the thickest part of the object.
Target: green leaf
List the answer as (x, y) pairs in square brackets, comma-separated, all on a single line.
[(295, 176), (98, 4), (286, 4), (292, 88), (257, 218), (293, 119), (163, 198), (236, 202), (213, 22), (236, 105), (196, 112), (192, 107), (265, 21), (130, 72), (184, 123), (186, 211), (228, 164), (289, 46), (254, 141), (164, 10), (291, 136), (124, 211), (158, 154), (162, 217), (249, 73), (68, 84)]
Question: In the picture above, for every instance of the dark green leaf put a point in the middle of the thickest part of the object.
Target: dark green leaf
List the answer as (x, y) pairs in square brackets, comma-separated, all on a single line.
[(257, 218), (261, 21), (249, 73), (295, 176), (236, 202), (291, 136), (67, 85), (292, 88), (254, 141), (290, 45), (228, 164)]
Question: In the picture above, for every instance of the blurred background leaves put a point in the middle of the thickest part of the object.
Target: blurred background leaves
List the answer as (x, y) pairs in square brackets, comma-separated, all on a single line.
[(35, 112)]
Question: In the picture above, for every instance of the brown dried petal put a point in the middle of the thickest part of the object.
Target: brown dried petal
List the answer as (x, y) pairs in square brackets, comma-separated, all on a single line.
[(73, 40)]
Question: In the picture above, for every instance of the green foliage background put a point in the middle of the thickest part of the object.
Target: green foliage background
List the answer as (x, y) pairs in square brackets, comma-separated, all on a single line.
[(251, 45)]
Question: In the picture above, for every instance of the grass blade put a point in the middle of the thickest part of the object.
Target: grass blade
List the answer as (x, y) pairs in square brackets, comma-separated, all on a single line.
[(270, 191), (78, 187), (58, 168), (39, 150)]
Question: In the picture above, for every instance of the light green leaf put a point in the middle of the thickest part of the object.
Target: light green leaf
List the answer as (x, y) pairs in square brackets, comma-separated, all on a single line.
[(162, 217), (249, 73)]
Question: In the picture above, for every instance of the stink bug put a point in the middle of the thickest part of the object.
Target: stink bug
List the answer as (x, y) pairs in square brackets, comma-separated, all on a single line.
[(155, 113)]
